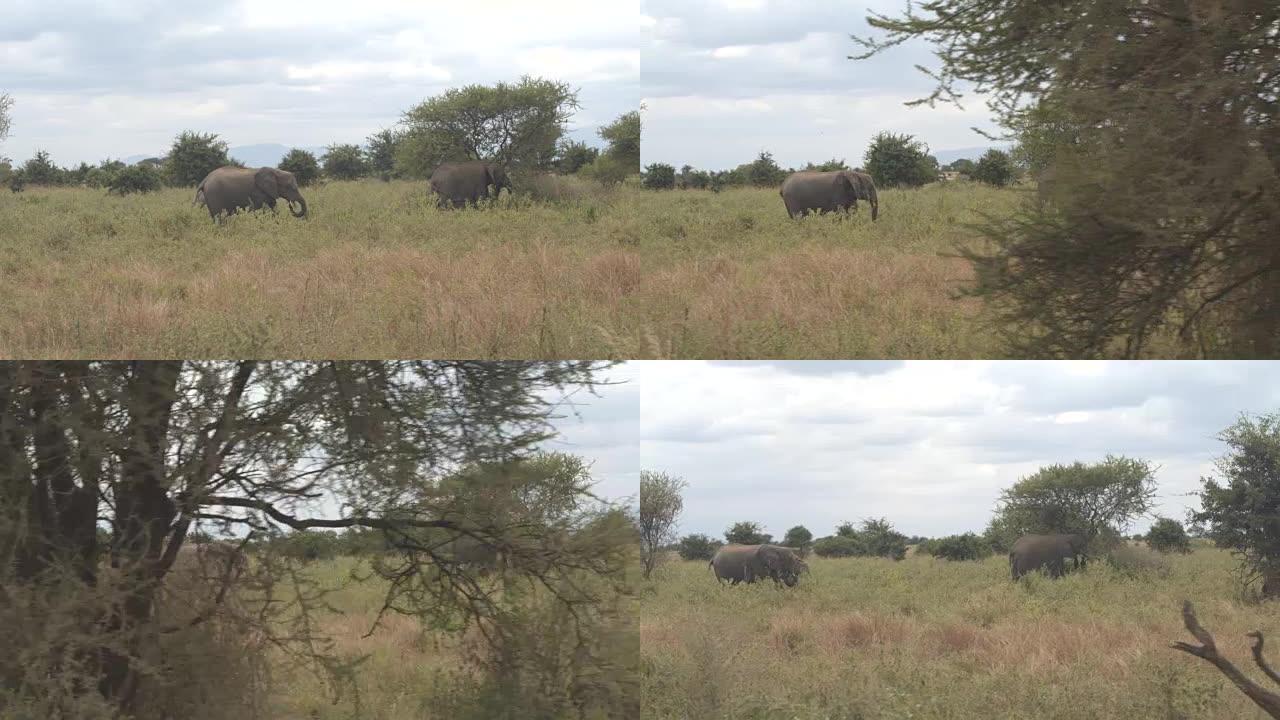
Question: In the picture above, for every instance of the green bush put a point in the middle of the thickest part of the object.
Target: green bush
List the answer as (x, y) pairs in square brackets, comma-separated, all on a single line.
[(698, 547), (1168, 535), (995, 167), (659, 176), (345, 162), (900, 160), (1136, 561), (968, 546), (838, 546), (134, 179), (302, 164), (193, 156)]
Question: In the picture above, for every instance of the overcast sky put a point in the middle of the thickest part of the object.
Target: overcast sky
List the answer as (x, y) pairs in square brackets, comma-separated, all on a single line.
[(606, 431), (98, 78), (927, 444), (725, 79)]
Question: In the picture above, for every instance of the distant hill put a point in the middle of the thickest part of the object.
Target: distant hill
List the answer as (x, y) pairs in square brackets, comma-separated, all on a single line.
[(265, 154)]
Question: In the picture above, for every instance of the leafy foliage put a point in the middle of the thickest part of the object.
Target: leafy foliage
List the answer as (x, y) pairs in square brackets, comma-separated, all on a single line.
[(381, 152), (899, 161), (764, 171), (994, 168), (518, 124), (1167, 535), (573, 156), (838, 546), (659, 176), (698, 547), (967, 546), (747, 533), (875, 537), (345, 162), (623, 137), (302, 164), (660, 506), (798, 537), (135, 179), (193, 156), (40, 170), (1241, 504)]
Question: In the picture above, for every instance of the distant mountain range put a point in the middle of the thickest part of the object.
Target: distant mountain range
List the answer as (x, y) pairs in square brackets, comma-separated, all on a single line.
[(266, 154)]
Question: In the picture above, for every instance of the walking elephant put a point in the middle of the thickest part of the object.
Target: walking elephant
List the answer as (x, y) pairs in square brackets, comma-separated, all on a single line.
[(749, 563), (1051, 552), (229, 189), (465, 183), (822, 192)]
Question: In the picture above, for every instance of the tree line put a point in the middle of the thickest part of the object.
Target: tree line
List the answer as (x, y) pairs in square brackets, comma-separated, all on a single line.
[(1100, 500), (892, 160), (522, 124)]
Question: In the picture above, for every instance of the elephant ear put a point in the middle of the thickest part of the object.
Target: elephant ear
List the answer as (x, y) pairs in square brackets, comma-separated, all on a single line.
[(265, 180), (849, 182)]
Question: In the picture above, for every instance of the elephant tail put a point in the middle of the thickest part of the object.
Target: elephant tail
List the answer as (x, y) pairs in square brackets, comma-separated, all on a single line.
[(872, 200)]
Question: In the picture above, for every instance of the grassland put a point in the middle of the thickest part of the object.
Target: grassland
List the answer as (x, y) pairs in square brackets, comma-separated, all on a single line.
[(729, 275), (926, 639), (375, 271)]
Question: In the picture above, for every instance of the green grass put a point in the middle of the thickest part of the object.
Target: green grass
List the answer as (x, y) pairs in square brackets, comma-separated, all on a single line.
[(729, 275), (375, 271), (925, 639)]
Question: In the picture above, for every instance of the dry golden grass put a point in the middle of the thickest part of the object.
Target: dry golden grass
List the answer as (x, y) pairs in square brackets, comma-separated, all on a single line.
[(729, 275), (376, 271), (923, 638)]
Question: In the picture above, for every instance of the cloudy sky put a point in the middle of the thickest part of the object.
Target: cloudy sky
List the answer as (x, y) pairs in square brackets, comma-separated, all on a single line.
[(98, 78), (605, 428), (725, 79), (927, 444)]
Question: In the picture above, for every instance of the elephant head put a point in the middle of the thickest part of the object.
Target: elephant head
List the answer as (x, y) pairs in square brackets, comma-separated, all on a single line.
[(281, 184), (498, 178), (782, 564)]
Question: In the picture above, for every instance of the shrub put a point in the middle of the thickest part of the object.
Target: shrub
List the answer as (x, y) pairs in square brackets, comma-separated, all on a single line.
[(193, 156), (345, 162), (302, 164), (698, 547), (838, 546), (900, 160), (800, 538), (995, 167), (134, 179), (747, 533), (968, 546), (1167, 535), (659, 176), (607, 170), (1136, 561)]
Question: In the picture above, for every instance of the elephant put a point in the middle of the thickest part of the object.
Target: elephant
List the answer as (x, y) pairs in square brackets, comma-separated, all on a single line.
[(470, 552), (1032, 552), (748, 563), (228, 189), (463, 183), (839, 190), (213, 560)]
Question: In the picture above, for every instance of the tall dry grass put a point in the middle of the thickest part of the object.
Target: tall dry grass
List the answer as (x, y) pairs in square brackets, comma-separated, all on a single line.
[(924, 638), (375, 271)]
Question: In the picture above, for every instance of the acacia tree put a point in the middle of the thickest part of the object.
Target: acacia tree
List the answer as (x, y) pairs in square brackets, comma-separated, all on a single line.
[(1091, 499), (660, 506), (747, 532), (1159, 124), (106, 468), (6, 117), (1240, 505), (519, 124)]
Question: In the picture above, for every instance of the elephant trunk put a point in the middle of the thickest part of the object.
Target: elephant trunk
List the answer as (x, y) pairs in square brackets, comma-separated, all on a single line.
[(298, 213)]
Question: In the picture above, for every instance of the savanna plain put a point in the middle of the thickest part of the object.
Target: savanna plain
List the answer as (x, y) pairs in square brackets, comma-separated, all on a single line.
[(929, 639), (565, 268)]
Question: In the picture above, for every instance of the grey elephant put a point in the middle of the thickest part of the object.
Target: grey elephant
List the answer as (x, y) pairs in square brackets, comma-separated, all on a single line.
[(822, 192), (466, 183), (749, 563), (229, 189), (1051, 552)]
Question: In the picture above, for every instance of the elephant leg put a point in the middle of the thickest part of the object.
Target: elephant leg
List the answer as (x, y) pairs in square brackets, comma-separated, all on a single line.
[(459, 203)]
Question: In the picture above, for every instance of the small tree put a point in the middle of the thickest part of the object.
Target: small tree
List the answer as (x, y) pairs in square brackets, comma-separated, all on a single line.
[(1096, 499), (798, 537), (747, 533), (900, 160), (660, 506), (194, 155), (623, 137), (573, 156), (698, 547), (6, 116), (764, 171), (838, 546), (134, 179), (880, 539), (1167, 535), (1240, 504), (345, 162), (302, 164), (382, 152), (40, 170), (659, 176), (994, 168), (964, 166)]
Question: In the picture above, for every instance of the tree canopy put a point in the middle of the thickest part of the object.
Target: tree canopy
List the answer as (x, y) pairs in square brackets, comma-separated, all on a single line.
[(519, 124), (194, 155), (660, 506)]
